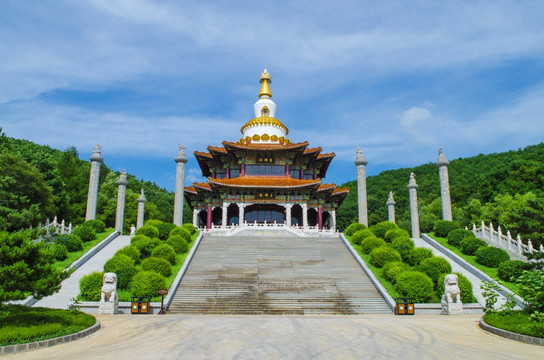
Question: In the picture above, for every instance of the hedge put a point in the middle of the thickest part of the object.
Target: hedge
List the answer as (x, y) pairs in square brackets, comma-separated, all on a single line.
[(158, 265), (97, 225), (403, 245), (491, 256), (394, 233), (180, 231), (189, 227), (382, 227), (118, 262), (443, 227), (382, 255), (360, 235), (85, 233), (166, 252), (153, 222), (124, 277), (434, 267), (72, 242), (131, 251), (56, 251), (392, 269), (353, 228), (146, 246), (510, 270), (370, 243), (149, 231), (164, 230), (456, 236), (465, 286), (415, 285), (178, 243), (90, 286), (147, 283), (417, 255), (470, 244)]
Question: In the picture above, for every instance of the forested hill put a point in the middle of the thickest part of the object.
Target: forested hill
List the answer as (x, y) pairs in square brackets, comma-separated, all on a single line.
[(39, 182), (506, 188)]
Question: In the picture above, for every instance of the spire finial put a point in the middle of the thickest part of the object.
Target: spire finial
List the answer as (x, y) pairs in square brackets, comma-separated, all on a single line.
[(265, 81)]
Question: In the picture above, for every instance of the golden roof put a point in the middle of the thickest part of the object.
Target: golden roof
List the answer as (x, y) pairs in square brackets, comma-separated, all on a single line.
[(264, 182), (265, 121), (265, 81), (266, 146)]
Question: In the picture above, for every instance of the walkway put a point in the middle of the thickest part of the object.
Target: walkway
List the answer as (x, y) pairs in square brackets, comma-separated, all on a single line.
[(70, 286), (289, 337)]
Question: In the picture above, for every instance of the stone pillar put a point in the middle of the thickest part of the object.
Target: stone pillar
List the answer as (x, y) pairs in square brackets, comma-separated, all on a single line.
[(304, 216), (181, 160), (320, 217), (241, 214), (288, 214), (442, 164), (224, 216), (391, 207), (209, 217), (96, 161), (141, 209), (121, 192), (519, 245), (333, 220), (195, 217), (412, 186), (509, 239), (361, 162)]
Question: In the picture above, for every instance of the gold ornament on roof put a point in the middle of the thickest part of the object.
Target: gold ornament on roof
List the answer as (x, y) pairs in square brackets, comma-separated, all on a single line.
[(265, 81), (265, 121)]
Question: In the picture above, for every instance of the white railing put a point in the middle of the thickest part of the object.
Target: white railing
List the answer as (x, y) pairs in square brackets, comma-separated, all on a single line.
[(507, 242), (298, 230), (57, 227)]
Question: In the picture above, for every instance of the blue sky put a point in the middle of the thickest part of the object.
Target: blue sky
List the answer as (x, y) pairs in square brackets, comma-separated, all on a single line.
[(399, 79)]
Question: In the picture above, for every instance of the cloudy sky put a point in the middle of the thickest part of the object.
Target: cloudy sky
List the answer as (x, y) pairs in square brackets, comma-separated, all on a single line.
[(398, 78)]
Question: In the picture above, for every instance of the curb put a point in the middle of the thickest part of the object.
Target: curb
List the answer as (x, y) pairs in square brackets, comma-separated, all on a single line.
[(511, 335), (14, 349)]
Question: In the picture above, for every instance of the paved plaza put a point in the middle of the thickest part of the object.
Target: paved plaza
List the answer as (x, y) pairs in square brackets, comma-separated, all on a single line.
[(289, 337)]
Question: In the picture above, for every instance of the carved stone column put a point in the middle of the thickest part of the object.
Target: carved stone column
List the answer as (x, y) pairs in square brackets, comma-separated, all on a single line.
[(442, 164), (181, 160), (121, 193), (333, 220), (195, 217), (288, 214), (361, 162), (391, 207), (141, 208), (412, 189), (241, 214), (224, 215), (304, 216), (96, 161)]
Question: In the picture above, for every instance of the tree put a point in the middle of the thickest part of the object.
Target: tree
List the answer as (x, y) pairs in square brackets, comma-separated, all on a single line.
[(25, 268)]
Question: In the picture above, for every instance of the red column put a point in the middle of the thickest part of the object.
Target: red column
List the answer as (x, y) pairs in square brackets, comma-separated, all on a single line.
[(301, 174), (320, 218), (315, 176), (243, 171), (228, 173), (287, 170), (209, 219)]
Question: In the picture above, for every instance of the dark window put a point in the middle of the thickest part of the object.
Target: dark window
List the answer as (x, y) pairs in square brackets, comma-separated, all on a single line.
[(295, 174), (234, 173), (265, 170)]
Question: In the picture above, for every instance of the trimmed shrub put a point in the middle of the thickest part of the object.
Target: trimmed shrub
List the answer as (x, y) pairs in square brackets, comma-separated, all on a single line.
[(118, 262), (415, 285), (438, 262), (178, 243), (432, 272), (85, 233), (166, 252), (149, 231), (146, 246), (403, 245), (465, 286), (417, 255), (360, 235), (394, 233), (392, 269), (131, 251), (158, 265), (139, 237), (456, 236), (164, 230), (443, 227), (56, 251), (147, 283), (512, 269), (370, 243), (97, 225), (179, 231), (72, 242), (90, 286), (470, 244), (124, 277), (382, 255), (189, 227), (353, 228), (153, 222), (382, 227), (491, 256)]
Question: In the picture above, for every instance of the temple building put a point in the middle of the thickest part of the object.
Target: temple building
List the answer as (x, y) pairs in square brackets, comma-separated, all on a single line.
[(264, 179)]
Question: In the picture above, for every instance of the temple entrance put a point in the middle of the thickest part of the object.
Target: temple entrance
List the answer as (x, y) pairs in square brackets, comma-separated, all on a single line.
[(202, 218), (233, 215), (326, 220), (312, 217), (217, 216), (261, 213), (296, 215)]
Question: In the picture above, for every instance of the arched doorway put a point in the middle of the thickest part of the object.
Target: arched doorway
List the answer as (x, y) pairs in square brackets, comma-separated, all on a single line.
[(326, 220), (217, 216), (312, 217), (202, 219), (296, 215), (233, 215), (265, 213)]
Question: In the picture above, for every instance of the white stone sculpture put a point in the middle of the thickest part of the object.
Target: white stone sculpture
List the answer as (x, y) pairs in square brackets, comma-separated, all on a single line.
[(360, 162), (451, 300), (180, 160), (391, 207), (109, 301)]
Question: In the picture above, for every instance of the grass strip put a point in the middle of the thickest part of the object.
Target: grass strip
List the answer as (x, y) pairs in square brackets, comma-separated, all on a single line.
[(517, 321)]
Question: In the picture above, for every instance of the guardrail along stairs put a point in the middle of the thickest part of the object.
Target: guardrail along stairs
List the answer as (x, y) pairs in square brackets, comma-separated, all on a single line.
[(275, 275)]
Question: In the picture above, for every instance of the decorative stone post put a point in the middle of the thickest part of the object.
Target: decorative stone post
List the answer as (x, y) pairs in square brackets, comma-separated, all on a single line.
[(141, 208), (224, 215), (241, 214), (181, 160), (361, 162), (412, 189), (304, 216), (121, 192), (333, 220), (288, 214), (442, 164), (96, 161), (391, 207), (195, 217)]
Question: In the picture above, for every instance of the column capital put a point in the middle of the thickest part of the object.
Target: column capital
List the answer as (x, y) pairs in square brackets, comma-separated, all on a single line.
[(412, 183), (123, 178), (142, 198), (97, 155), (360, 158), (442, 161), (181, 158), (391, 200)]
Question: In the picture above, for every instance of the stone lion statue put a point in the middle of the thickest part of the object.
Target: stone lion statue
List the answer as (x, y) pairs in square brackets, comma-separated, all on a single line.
[(109, 288), (451, 300)]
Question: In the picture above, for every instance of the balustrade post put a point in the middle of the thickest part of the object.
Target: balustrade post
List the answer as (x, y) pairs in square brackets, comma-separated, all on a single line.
[(70, 228), (491, 232), (474, 229), (509, 239), (520, 247), (62, 227), (499, 236), (530, 246)]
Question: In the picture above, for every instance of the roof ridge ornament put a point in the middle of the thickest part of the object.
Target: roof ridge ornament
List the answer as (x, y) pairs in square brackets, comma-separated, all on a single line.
[(265, 80)]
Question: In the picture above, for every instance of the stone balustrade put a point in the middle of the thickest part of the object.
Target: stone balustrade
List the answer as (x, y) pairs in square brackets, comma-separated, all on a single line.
[(61, 227)]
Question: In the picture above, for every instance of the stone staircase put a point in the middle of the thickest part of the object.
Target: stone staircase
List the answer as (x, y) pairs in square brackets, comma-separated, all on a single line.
[(275, 275)]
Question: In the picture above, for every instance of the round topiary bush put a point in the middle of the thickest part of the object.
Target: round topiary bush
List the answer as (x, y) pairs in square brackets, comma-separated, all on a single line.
[(382, 227), (403, 245), (124, 277), (491, 256), (382, 255), (353, 228), (85, 233), (417, 255), (392, 269), (510, 270), (149, 231), (178, 243), (189, 227), (56, 251), (131, 251), (456, 236), (146, 246), (164, 230), (470, 244), (415, 285), (97, 225), (118, 262), (465, 286), (158, 265), (360, 235), (147, 283), (370, 243), (72, 242), (179, 231), (138, 237), (166, 252), (432, 272), (438, 262), (153, 222), (443, 227), (394, 233), (90, 286)]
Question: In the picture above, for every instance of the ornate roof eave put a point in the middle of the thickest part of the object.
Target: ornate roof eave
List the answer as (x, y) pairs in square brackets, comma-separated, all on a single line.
[(264, 182), (326, 187), (264, 146)]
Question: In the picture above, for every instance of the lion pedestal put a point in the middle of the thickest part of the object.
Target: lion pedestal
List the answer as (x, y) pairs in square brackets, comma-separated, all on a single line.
[(451, 300), (109, 301)]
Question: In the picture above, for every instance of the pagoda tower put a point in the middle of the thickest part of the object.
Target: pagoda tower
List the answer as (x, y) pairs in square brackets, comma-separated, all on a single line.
[(264, 179)]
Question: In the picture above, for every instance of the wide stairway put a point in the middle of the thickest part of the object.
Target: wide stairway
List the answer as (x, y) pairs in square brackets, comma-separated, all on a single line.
[(275, 275)]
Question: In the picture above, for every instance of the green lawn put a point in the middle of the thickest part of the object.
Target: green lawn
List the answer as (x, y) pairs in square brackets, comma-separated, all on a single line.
[(518, 322), (73, 256), (471, 259)]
